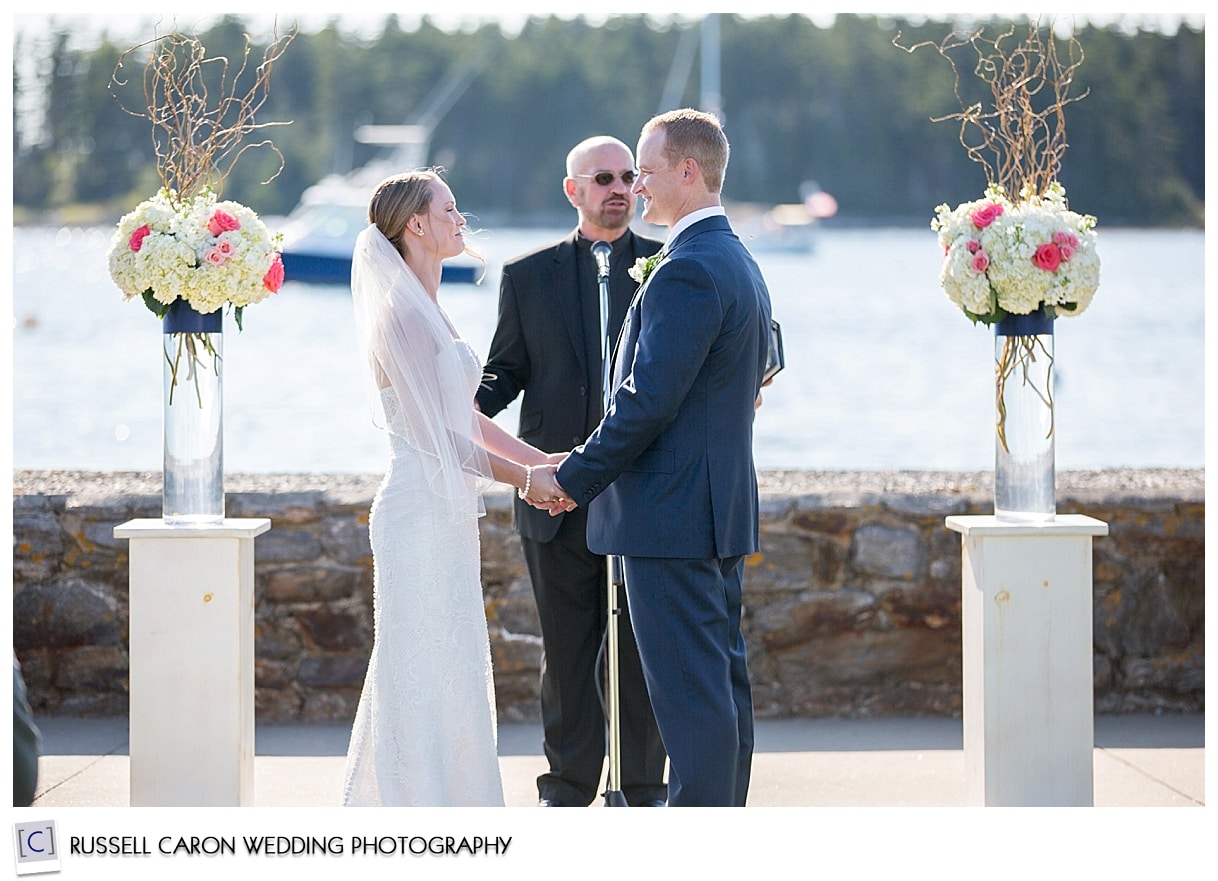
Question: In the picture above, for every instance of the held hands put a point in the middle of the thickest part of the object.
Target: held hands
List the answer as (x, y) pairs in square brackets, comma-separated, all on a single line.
[(541, 489)]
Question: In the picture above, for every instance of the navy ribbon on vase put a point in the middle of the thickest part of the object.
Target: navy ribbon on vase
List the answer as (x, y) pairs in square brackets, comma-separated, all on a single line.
[(1032, 324), (182, 318)]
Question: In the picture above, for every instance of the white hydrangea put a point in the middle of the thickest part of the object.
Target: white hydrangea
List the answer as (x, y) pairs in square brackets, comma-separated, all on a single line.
[(966, 287), (208, 253), (1011, 258)]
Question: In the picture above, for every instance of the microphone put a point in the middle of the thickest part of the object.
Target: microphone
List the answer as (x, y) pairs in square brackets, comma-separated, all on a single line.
[(601, 251)]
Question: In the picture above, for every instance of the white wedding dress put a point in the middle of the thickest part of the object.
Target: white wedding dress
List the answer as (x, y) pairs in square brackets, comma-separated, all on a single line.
[(425, 731)]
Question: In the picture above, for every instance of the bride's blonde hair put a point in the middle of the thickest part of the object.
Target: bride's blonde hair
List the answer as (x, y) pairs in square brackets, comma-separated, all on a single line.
[(400, 197)]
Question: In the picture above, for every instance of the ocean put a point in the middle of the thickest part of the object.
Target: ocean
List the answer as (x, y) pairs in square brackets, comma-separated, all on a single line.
[(882, 371)]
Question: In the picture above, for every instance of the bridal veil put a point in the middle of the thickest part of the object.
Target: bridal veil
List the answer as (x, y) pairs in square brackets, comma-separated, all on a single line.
[(408, 343)]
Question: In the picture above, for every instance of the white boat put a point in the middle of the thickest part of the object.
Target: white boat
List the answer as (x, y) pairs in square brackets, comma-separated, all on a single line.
[(319, 235), (787, 227)]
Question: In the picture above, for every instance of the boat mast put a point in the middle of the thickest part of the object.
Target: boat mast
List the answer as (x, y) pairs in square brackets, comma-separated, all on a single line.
[(712, 99), (706, 38)]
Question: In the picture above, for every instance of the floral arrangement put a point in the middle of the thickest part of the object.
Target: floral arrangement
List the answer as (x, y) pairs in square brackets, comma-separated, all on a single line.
[(1003, 258), (1000, 257), (643, 266), (205, 252), (184, 244), (1012, 258)]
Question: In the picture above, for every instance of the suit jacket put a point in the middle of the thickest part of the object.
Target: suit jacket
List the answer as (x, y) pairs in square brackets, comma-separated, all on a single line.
[(669, 472), (541, 347)]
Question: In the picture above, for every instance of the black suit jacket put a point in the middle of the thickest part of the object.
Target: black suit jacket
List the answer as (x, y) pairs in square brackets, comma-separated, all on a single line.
[(541, 348)]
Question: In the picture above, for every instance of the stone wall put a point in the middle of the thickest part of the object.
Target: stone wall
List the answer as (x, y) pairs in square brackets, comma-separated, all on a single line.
[(852, 605)]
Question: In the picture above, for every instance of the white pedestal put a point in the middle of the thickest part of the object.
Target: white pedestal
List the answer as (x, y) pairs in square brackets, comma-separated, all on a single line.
[(192, 662), (1028, 657)]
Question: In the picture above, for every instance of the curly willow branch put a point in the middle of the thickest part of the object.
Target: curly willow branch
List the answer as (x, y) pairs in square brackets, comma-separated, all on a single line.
[(1021, 138), (197, 144)]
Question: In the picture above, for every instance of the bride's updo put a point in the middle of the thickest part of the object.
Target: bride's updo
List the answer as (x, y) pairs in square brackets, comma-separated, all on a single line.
[(399, 198)]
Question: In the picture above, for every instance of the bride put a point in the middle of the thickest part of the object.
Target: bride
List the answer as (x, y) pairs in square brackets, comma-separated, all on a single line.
[(425, 729)]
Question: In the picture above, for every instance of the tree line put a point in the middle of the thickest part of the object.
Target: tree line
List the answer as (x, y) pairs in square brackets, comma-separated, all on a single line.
[(840, 106)]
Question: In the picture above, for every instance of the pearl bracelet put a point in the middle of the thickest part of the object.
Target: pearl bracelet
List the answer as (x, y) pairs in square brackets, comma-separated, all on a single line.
[(528, 481)]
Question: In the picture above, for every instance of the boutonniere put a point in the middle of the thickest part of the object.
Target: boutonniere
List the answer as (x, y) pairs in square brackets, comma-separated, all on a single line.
[(643, 266)]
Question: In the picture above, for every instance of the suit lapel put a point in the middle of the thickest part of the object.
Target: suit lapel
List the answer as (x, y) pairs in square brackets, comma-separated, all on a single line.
[(627, 322), (565, 285)]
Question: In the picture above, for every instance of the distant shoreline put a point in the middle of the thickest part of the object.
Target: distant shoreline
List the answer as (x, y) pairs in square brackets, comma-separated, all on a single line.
[(92, 215)]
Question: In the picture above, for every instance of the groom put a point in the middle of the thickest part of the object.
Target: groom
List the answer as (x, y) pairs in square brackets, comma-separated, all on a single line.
[(668, 475)]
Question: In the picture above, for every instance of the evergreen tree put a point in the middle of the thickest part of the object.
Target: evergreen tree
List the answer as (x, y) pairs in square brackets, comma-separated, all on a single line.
[(840, 106)]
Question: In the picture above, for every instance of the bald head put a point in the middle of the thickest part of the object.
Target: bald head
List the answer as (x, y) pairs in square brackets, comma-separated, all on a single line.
[(580, 154)]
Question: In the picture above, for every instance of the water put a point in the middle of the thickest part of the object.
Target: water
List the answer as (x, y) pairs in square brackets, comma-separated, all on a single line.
[(882, 371), (191, 367), (1024, 479)]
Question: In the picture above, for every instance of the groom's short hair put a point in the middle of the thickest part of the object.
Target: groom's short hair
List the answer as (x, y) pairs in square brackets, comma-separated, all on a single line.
[(696, 135)]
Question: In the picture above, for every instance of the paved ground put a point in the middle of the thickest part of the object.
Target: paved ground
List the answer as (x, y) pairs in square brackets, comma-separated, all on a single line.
[(1140, 761)]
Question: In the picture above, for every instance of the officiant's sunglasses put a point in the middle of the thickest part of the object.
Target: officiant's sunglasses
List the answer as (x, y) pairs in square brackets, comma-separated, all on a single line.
[(604, 178)]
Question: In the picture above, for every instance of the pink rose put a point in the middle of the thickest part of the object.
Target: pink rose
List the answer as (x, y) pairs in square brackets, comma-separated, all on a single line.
[(1065, 238), (986, 215), (274, 276), (1048, 257), (137, 238), (1067, 252), (973, 246), (981, 261), (222, 221), (215, 257), (225, 247)]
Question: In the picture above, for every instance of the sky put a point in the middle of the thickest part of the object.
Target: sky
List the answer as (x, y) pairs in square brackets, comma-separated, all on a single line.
[(139, 22)]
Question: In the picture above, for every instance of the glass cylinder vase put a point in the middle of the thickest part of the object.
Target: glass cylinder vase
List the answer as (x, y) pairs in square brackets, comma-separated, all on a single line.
[(193, 488), (1024, 478)]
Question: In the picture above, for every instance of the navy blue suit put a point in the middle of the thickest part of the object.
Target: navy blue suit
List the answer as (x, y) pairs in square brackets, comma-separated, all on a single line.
[(547, 345), (670, 486)]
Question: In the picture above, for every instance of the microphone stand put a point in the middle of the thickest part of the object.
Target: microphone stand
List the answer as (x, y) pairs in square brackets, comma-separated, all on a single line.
[(613, 565)]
